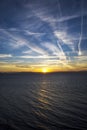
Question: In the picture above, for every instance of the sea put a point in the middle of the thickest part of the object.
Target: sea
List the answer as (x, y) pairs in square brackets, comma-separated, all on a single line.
[(35, 101)]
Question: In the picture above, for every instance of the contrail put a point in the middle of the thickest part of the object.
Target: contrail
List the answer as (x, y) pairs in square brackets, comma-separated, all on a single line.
[(80, 39), (60, 12), (58, 42), (59, 7), (62, 52)]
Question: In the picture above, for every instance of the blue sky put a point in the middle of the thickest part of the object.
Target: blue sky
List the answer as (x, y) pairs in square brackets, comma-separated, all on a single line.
[(43, 33)]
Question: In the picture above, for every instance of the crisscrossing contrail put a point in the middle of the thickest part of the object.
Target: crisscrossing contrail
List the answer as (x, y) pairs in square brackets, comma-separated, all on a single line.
[(80, 39)]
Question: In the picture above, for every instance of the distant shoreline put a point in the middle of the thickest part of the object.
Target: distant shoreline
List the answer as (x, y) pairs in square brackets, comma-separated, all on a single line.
[(42, 73)]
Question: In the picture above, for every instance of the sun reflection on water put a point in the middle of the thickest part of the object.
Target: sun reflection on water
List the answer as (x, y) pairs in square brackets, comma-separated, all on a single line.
[(43, 106), (44, 96)]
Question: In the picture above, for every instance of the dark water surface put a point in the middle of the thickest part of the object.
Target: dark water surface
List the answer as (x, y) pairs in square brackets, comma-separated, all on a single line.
[(55, 101)]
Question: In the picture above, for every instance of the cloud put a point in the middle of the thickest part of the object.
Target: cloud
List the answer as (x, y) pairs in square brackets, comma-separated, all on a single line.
[(81, 34), (47, 33), (56, 50), (17, 41), (5, 55), (64, 37), (27, 52), (23, 66), (37, 57)]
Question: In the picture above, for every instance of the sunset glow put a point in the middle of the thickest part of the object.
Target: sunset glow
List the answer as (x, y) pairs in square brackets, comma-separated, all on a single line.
[(37, 35), (44, 70)]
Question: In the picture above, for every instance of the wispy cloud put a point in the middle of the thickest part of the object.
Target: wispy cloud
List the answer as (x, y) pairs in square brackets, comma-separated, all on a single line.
[(45, 33), (5, 55), (37, 57), (17, 41), (80, 39), (56, 51)]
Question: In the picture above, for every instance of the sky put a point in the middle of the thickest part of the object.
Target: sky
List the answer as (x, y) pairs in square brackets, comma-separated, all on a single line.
[(43, 34)]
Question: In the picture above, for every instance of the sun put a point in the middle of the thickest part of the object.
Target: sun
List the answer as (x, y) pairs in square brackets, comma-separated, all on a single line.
[(44, 70)]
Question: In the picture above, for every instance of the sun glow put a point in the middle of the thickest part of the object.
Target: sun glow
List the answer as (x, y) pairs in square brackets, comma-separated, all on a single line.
[(44, 70)]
